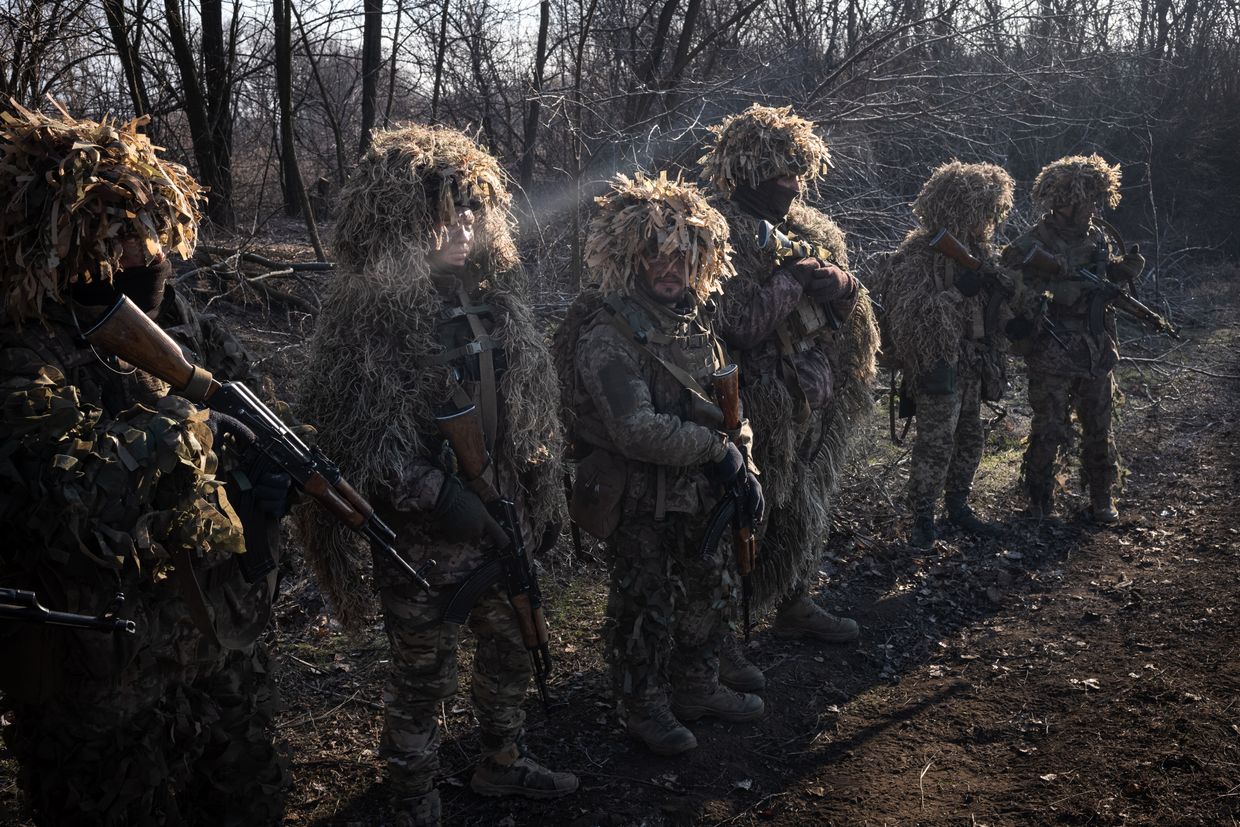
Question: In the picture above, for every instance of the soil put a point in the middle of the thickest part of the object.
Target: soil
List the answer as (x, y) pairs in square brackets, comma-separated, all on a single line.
[(1062, 673)]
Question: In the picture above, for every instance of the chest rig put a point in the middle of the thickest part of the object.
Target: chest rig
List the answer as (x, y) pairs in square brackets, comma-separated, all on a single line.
[(477, 361)]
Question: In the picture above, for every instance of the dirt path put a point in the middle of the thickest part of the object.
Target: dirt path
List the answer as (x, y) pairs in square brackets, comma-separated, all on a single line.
[(1063, 674)]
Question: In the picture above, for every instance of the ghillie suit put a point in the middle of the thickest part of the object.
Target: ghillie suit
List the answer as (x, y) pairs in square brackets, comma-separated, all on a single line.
[(396, 345), (806, 393), (946, 332), (111, 484), (646, 432), (1075, 371)]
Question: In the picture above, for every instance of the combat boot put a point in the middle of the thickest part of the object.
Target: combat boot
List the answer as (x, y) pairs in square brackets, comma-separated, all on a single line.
[(804, 618), (965, 518), (723, 703), (924, 533), (1102, 508), (659, 730), (735, 670), (513, 771), (419, 811)]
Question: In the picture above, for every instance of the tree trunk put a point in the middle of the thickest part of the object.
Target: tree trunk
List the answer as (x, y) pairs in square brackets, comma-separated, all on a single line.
[(114, 10), (372, 60), (530, 138), (290, 176), (441, 52)]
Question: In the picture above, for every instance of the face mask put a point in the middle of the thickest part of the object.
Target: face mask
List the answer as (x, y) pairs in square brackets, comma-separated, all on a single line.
[(770, 199)]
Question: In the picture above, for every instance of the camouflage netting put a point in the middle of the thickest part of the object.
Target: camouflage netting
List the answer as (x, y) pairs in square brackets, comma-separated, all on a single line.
[(801, 464), (643, 214), (926, 324), (1077, 179), (368, 391), (762, 143), (70, 192)]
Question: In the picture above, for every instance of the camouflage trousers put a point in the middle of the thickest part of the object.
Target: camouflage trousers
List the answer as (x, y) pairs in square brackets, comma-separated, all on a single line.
[(159, 728), (949, 442), (424, 675), (1053, 398), (665, 611)]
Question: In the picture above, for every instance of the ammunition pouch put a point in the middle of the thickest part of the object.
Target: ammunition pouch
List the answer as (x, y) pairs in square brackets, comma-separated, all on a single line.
[(598, 493), (939, 380)]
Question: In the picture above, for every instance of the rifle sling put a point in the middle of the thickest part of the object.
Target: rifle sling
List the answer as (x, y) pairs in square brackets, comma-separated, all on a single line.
[(486, 363)]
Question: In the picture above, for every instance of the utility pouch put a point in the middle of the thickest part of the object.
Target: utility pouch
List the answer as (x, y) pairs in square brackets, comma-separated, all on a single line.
[(908, 402), (598, 493), (939, 380), (993, 367)]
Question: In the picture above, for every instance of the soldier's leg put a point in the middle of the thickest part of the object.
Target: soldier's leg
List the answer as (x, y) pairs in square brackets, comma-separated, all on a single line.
[(937, 415), (1099, 455), (640, 611), (1050, 400), (423, 674), (705, 590), (241, 778), (501, 677), (969, 440)]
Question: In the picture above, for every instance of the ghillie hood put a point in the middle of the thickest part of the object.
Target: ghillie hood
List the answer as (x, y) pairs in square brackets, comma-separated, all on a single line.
[(968, 200), (640, 215), (1077, 179), (369, 390), (71, 191), (762, 143)]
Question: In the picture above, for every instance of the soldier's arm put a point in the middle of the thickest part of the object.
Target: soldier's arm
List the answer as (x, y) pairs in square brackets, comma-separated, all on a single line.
[(415, 486), (751, 311), (610, 370)]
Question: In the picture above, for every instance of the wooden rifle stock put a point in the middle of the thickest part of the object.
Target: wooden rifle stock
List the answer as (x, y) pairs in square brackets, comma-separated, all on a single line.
[(726, 382), (125, 331), (948, 245)]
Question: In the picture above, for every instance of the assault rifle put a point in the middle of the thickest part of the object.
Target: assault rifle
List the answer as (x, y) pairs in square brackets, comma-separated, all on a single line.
[(946, 244), (771, 240), (733, 510), (125, 331), (1040, 258), (464, 434), (16, 604)]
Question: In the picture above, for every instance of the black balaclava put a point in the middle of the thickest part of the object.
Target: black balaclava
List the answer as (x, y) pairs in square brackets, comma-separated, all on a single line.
[(770, 199), (143, 284)]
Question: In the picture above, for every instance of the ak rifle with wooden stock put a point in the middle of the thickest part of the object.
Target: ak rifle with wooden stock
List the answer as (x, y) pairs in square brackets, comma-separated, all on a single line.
[(946, 244), (733, 510), (1107, 293), (125, 331), (511, 564), (772, 240)]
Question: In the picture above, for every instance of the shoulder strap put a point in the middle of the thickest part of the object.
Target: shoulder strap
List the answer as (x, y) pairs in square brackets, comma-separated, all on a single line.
[(640, 337)]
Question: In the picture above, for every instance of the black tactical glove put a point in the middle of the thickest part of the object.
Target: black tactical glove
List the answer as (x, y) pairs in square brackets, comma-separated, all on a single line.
[(1019, 328), (273, 492), (460, 516), (830, 284), (755, 502), (968, 282), (1129, 268), (722, 472), (804, 270)]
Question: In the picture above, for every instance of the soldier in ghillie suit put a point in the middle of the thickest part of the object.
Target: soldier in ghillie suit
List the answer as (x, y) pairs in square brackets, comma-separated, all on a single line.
[(109, 484), (806, 382), (427, 313), (945, 325), (658, 459), (1072, 370)]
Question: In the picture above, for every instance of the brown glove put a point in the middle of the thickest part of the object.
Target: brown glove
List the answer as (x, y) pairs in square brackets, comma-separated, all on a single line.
[(1128, 268), (831, 284)]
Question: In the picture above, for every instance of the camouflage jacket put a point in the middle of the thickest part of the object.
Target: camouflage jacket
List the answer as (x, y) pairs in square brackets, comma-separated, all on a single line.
[(102, 473), (635, 407), (1083, 352), (764, 303)]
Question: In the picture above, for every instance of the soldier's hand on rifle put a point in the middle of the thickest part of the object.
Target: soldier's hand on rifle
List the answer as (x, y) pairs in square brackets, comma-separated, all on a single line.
[(274, 493), (724, 471), (830, 284), (460, 515), (804, 270), (1128, 268)]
